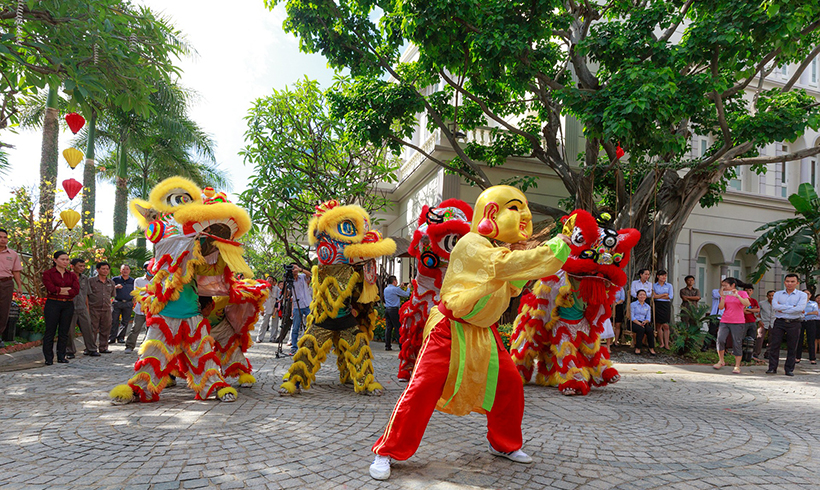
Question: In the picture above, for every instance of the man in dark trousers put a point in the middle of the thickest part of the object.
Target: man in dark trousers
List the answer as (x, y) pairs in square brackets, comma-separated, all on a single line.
[(123, 305), (787, 306), (392, 301), (101, 291), (10, 268), (81, 316)]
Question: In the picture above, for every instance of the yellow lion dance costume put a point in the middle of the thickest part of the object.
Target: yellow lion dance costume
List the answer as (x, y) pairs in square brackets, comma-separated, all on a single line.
[(195, 255), (344, 286)]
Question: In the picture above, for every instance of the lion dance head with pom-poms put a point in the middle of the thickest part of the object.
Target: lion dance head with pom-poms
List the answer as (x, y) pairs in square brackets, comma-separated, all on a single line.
[(559, 325)]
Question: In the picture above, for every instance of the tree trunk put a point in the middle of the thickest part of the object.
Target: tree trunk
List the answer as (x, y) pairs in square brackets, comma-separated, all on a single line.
[(121, 196), (141, 241), (49, 155), (90, 178)]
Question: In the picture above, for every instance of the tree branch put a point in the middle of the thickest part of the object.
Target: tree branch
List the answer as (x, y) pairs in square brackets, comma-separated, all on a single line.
[(797, 155), (800, 69), (671, 30)]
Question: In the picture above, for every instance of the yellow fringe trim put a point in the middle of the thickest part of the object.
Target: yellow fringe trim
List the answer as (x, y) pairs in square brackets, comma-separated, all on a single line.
[(150, 386), (224, 391), (325, 301), (233, 257), (121, 392), (246, 379), (299, 371)]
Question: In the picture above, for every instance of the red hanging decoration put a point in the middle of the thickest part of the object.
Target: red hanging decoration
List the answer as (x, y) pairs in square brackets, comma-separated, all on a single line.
[(72, 187), (75, 122), (619, 152)]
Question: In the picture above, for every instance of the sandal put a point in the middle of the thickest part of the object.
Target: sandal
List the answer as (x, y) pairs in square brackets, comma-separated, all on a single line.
[(719, 365), (736, 370)]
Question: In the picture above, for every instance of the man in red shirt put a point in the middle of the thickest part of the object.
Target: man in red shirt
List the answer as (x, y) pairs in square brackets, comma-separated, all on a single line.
[(751, 312)]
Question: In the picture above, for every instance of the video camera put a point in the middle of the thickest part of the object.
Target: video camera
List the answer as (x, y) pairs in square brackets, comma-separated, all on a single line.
[(288, 274)]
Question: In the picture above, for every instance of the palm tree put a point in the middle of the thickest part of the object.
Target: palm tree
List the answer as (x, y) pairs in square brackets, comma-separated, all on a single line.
[(139, 152)]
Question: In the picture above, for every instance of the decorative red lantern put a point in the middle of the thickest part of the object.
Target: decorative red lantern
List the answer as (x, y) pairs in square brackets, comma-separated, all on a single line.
[(72, 187), (75, 122), (619, 152)]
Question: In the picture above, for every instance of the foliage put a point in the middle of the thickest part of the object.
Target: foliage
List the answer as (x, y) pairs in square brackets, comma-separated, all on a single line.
[(687, 334), (645, 75), (31, 313), (380, 329), (794, 242), (505, 331), (265, 256), (115, 251), (301, 157), (95, 50)]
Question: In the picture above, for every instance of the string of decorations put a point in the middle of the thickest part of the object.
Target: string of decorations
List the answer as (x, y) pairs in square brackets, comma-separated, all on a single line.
[(73, 156)]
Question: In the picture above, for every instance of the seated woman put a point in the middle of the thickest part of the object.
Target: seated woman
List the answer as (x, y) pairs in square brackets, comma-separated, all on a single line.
[(642, 323)]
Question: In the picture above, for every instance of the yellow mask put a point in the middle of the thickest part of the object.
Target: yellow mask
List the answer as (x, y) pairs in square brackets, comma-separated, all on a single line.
[(501, 212)]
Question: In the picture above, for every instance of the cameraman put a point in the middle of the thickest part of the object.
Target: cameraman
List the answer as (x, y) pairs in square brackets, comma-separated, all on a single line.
[(302, 296)]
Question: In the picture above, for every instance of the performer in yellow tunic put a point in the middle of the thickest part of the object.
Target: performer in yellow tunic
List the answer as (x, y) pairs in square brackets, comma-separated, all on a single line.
[(463, 366)]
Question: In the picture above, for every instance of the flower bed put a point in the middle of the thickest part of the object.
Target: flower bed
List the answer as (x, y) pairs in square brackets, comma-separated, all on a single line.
[(18, 347), (31, 313)]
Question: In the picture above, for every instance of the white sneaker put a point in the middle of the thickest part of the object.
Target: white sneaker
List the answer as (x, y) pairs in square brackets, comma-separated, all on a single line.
[(380, 469), (518, 455)]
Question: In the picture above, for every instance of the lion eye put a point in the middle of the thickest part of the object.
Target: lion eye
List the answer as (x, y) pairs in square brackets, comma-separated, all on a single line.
[(577, 237), (449, 242), (346, 228), (178, 198)]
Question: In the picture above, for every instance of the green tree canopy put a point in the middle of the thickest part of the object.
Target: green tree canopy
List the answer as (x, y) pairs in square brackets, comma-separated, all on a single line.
[(301, 157), (643, 74)]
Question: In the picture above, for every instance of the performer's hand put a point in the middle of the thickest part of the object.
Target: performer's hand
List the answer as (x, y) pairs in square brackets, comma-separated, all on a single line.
[(565, 238)]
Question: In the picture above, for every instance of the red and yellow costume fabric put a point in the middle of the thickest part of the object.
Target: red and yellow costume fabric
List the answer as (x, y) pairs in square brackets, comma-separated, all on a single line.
[(558, 329), (439, 229), (342, 317), (195, 254), (463, 366)]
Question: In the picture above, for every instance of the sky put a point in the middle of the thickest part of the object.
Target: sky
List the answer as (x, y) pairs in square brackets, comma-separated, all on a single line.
[(242, 54)]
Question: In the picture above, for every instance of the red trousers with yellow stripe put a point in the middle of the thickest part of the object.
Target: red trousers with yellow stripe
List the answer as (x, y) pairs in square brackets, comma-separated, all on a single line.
[(409, 419)]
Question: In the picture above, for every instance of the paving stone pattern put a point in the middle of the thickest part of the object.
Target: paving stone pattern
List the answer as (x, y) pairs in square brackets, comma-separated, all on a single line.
[(669, 427)]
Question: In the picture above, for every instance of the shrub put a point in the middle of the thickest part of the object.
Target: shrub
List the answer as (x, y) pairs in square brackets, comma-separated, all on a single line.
[(505, 330), (688, 335), (31, 313)]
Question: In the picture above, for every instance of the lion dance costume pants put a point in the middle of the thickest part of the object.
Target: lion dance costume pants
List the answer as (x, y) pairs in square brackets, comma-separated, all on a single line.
[(354, 358), (409, 419), (180, 347)]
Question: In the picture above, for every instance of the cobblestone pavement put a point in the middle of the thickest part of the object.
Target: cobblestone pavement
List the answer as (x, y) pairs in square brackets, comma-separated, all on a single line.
[(679, 427)]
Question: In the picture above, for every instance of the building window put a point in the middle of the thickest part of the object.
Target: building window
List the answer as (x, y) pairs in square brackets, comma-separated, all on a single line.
[(704, 145), (813, 172), (734, 269), (737, 182), (784, 71), (701, 275), (813, 71), (782, 180)]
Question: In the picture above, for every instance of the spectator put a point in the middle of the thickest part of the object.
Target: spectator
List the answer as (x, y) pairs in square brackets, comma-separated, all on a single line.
[(139, 315), (123, 304), (715, 314), (808, 330), (763, 326), (80, 317), (62, 286), (641, 283), (270, 318), (751, 313), (392, 301), (620, 297), (732, 302), (641, 318), (101, 290), (301, 304), (689, 296), (662, 296), (10, 269), (788, 305)]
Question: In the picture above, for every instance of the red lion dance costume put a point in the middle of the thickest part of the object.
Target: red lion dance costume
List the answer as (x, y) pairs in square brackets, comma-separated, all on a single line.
[(560, 323), (439, 229)]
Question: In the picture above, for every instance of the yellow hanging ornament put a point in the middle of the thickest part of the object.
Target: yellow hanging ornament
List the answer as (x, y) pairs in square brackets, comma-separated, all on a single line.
[(70, 218), (73, 156)]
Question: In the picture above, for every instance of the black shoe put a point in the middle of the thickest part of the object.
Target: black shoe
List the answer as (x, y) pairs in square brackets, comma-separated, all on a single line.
[(94, 354), (388, 348), (69, 356), (49, 363), (62, 361), (789, 373), (771, 371), (120, 341), (105, 352)]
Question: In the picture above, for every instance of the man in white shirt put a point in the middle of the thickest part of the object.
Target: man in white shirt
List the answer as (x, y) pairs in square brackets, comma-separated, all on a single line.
[(270, 319), (139, 316), (301, 304), (788, 306)]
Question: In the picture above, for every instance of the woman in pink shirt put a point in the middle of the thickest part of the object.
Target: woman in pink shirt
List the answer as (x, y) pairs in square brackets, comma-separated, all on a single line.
[(732, 302)]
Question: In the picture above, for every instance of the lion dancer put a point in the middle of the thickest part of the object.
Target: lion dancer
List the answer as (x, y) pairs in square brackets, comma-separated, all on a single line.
[(196, 253), (463, 366), (439, 229), (342, 317), (558, 330)]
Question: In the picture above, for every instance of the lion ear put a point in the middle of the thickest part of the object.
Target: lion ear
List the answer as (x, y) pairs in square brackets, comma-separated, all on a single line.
[(143, 211)]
